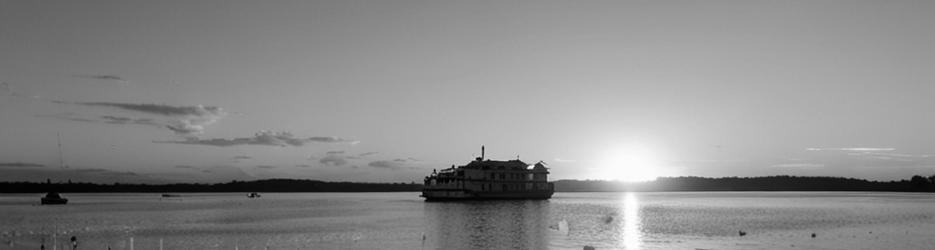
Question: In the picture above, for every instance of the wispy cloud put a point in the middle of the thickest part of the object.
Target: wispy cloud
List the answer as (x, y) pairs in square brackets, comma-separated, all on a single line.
[(331, 139), (188, 120), (385, 164), (20, 165), (102, 77), (69, 116), (185, 128), (106, 172), (564, 160), (335, 152), (850, 149), (127, 120), (186, 167), (182, 120), (242, 157), (262, 138), (879, 154), (892, 157), (398, 163), (333, 160), (898, 155), (160, 109), (869, 157), (799, 165), (360, 156), (266, 166), (122, 120), (303, 166)]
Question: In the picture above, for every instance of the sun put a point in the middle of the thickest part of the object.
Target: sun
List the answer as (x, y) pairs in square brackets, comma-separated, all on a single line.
[(631, 163)]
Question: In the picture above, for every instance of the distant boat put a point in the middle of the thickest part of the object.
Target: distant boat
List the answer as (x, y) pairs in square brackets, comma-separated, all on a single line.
[(53, 198), (170, 195), (484, 179), (253, 195)]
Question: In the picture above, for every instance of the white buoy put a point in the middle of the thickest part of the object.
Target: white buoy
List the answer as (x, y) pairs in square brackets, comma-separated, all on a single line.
[(160, 243), (131, 243)]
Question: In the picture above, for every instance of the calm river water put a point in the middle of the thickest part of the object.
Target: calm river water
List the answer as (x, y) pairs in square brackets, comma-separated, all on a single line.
[(671, 220)]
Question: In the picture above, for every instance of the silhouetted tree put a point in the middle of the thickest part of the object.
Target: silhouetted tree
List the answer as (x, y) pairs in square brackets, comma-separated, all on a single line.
[(273, 185), (767, 183)]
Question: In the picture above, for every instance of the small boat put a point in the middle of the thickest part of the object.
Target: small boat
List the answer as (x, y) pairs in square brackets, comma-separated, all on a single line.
[(171, 195), (53, 198), (253, 195)]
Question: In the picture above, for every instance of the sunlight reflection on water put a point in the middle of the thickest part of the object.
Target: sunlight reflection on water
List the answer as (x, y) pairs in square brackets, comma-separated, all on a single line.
[(631, 222)]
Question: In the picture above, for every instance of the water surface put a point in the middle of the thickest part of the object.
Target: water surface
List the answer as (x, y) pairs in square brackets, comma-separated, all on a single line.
[(673, 220)]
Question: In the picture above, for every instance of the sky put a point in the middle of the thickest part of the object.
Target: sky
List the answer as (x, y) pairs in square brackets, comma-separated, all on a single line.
[(386, 91)]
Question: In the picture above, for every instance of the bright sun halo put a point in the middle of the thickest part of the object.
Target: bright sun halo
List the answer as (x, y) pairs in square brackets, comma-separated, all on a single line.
[(629, 163)]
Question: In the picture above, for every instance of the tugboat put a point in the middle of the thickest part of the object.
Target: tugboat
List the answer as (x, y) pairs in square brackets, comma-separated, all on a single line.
[(253, 195), (484, 179), (53, 198)]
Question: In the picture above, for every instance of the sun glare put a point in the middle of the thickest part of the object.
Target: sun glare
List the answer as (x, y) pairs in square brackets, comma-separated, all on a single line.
[(630, 163)]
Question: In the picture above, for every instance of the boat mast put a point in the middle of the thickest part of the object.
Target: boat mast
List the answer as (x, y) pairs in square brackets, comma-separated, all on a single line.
[(61, 159)]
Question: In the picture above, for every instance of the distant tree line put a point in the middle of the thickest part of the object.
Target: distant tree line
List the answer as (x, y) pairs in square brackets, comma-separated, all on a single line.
[(767, 183), (271, 185)]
